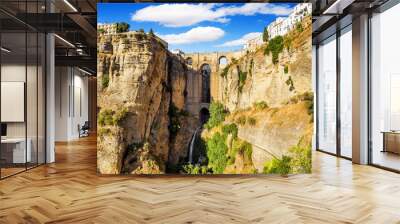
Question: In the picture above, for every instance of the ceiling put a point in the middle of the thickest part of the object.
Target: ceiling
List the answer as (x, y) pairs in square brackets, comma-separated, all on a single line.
[(332, 15), (74, 22)]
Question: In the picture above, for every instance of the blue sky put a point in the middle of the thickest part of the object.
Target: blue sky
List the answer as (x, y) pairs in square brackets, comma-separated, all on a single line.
[(196, 27)]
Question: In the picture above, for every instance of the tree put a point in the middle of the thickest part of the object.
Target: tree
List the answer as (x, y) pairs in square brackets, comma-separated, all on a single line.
[(122, 27), (265, 35), (275, 45), (151, 32), (287, 42), (217, 115)]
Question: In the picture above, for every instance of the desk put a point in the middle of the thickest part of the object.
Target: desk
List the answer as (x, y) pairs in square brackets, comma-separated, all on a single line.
[(391, 141), (15, 148)]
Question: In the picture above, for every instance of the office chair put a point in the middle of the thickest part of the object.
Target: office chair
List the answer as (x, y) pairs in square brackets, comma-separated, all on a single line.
[(84, 130)]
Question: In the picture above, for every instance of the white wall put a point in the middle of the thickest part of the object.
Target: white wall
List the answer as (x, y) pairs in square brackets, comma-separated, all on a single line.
[(71, 102)]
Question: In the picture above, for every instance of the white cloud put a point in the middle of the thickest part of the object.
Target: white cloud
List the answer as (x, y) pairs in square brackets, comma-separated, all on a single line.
[(178, 15), (198, 34), (241, 41)]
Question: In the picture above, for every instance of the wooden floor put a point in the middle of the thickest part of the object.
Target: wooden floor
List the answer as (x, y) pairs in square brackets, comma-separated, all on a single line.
[(69, 191)]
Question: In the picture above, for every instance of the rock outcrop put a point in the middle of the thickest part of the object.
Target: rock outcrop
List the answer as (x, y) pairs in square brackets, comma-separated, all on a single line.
[(139, 81), (254, 78)]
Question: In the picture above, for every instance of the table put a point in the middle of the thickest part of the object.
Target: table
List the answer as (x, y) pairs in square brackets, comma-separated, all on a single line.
[(391, 141), (15, 148)]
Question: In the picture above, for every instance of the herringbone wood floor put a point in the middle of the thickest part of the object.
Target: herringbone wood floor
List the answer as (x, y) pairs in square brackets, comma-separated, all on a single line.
[(69, 191)]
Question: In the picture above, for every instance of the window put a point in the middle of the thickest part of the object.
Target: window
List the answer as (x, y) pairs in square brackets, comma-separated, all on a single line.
[(346, 92), (22, 77), (327, 95), (385, 89)]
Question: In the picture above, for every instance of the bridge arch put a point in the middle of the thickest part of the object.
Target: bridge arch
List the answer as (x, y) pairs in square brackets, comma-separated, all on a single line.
[(222, 61), (204, 115), (205, 72), (189, 61)]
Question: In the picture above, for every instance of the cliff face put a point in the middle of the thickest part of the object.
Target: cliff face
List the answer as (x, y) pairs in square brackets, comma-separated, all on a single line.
[(139, 83), (270, 104), (253, 77)]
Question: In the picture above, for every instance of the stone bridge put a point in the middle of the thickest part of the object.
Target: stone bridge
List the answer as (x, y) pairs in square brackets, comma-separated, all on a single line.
[(204, 80)]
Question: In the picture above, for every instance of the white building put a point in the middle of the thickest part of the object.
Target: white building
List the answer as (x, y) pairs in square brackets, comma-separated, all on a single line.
[(252, 44), (178, 52), (110, 28), (282, 25)]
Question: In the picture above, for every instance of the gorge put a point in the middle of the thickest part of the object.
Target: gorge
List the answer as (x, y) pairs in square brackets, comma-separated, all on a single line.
[(254, 111)]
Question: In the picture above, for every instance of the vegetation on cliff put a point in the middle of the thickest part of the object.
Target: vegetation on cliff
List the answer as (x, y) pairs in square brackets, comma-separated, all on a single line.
[(122, 27), (111, 117), (174, 119), (274, 46), (297, 161), (217, 115)]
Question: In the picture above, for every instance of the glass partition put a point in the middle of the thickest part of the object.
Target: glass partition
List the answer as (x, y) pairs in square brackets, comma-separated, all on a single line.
[(327, 95), (385, 89), (346, 92), (22, 77), (13, 95)]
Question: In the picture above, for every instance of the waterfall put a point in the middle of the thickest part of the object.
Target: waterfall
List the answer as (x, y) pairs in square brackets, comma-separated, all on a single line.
[(191, 146)]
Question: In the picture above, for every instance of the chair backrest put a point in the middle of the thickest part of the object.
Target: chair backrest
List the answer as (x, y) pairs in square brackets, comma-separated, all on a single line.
[(86, 125)]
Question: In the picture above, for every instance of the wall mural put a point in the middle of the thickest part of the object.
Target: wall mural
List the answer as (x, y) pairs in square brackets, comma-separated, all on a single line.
[(204, 88)]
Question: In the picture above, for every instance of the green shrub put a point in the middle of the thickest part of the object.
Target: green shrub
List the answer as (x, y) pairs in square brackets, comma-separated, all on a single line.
[(217, 115), (260, 105), (151, 33), (247, 150), (244, 148), (105, 81), (287, 42), (242, 79), (251, 121), (265, 35), (289, 82), (110, 117), (101, 131), (234, 61), (251, 67), (267, 51), (310, 107), (301, 159), (230, 129), (286, 69), (278, 166), (105, 117), (225, 71), (195, 169), (307, 96), (122, 27), (275, 46), (120, 115), (241, 147), (133, 147), (216, 153), (174, 119), (299, 27), (241, 120)]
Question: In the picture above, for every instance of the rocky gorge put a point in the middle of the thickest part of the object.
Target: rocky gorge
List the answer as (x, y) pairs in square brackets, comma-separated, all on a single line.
[(261, 116)]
